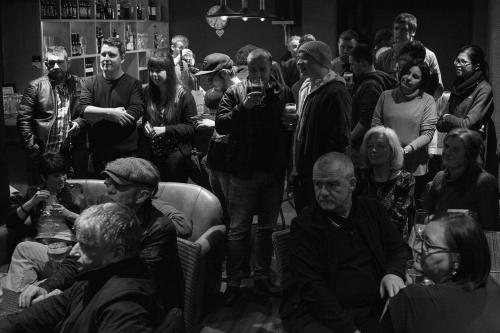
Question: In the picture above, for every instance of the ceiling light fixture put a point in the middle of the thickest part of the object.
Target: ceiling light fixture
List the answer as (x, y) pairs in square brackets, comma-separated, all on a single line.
[(224, 11)]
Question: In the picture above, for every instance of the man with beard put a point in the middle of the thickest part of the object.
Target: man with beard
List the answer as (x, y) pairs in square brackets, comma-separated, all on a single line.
[(112, 102), (50, 117)]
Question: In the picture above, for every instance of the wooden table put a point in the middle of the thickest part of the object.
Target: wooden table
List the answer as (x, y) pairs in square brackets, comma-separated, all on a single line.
[(9, 304)]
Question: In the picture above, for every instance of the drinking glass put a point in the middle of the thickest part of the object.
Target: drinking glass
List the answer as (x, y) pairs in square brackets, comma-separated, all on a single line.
[(290, 116), (57, 252), (421, 216), (412, 274), (255, 85)]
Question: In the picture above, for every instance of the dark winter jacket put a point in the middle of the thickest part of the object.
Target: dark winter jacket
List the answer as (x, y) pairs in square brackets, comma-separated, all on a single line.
[(38, 109), (308, 289), (117, 298), (159, 253), (259, 142), (324, 125), (367, 90)]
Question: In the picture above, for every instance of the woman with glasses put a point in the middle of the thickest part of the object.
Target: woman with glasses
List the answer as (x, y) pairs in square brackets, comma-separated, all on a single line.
[(452, 252), (463, 184), (471, 102), (381, 177)]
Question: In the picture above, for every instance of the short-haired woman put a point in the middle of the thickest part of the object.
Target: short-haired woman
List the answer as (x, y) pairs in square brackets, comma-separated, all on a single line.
[(463, 184), (453, 252), (53, 208), (380, 176)]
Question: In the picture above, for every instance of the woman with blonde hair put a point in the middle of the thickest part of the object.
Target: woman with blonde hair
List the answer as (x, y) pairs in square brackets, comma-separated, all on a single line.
[(381, 176)]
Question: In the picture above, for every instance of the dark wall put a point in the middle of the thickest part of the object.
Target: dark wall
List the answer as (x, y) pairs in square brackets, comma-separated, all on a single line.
[(443, 26), (187, 17)]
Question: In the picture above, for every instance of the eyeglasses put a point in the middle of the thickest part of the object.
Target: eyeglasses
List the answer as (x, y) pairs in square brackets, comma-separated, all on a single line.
[(422, 246), (52, 63), (461, 62)]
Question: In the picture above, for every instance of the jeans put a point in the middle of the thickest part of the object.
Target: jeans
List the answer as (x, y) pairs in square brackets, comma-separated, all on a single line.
[(219, 182), (261, 194), (27, 265)]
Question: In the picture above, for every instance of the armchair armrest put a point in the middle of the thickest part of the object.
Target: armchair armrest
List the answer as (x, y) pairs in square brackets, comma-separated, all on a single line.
[(210, 238), (3, 246)]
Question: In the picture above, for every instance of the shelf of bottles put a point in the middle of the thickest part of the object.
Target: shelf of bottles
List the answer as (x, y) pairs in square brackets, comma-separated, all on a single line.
[(81, 25)]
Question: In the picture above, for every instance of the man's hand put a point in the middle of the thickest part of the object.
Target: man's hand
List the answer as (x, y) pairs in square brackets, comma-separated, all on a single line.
[(119, 115), (390, 285), (31, 293), (74, 129), (252, 100)]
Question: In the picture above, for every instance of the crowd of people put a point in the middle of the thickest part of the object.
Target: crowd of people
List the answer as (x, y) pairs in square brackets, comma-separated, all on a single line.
[(360, 142)]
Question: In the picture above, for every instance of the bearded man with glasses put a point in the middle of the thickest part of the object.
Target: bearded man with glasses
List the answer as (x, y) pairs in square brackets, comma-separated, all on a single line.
[(50, 117)]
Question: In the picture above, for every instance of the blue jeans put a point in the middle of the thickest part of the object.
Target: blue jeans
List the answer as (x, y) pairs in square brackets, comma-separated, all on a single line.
[(261, 194)]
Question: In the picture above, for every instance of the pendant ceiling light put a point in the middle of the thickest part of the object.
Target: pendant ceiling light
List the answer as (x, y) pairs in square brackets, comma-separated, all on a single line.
[(262, 14), (224, 11), (244, 11)]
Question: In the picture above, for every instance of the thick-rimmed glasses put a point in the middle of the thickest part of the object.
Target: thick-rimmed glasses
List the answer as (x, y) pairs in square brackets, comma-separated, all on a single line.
[(423, 246), (461, 62)]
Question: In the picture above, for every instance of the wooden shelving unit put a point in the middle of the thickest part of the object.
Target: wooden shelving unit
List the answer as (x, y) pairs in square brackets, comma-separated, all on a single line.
[(139, 35)]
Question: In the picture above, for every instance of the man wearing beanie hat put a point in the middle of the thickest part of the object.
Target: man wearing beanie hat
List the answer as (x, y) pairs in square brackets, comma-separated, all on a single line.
[(323, 125), (133, 182)]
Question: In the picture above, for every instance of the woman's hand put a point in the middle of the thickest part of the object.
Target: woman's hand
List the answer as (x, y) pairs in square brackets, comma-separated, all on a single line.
[(60, 210), (39, 196), (159, 130)]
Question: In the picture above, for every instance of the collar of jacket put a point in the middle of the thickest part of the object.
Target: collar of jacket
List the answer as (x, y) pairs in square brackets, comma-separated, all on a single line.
[(319, 83), (131, 266)]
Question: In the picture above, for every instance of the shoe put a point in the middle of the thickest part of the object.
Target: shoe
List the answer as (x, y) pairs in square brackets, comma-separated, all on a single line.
[(267, 287), (230, 296)]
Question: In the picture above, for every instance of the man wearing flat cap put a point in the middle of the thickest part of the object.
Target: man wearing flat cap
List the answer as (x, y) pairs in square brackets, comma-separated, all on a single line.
[(132, 182), (323, 108)]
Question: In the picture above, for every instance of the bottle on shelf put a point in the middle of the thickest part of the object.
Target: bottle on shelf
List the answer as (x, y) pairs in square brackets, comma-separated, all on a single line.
[(125, 10), (76, 48), (119, 10), (89, 66), (140, 15), (98, 10), (152, 9), (115, 34), (98, 36), (108, 11), (156, 37), (129, 38)]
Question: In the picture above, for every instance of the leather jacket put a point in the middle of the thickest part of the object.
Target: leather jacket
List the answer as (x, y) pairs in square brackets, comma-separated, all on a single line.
[(38, 108)]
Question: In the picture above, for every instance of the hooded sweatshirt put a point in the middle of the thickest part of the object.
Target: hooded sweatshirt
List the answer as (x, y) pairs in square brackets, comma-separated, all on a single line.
[(367, 90), (324, 109)]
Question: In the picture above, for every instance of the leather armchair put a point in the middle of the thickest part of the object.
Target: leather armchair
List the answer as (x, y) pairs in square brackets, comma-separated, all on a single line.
[(205, 211)]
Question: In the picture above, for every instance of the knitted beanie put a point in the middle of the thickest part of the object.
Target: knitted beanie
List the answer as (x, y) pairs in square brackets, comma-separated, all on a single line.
[(319, 51)]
